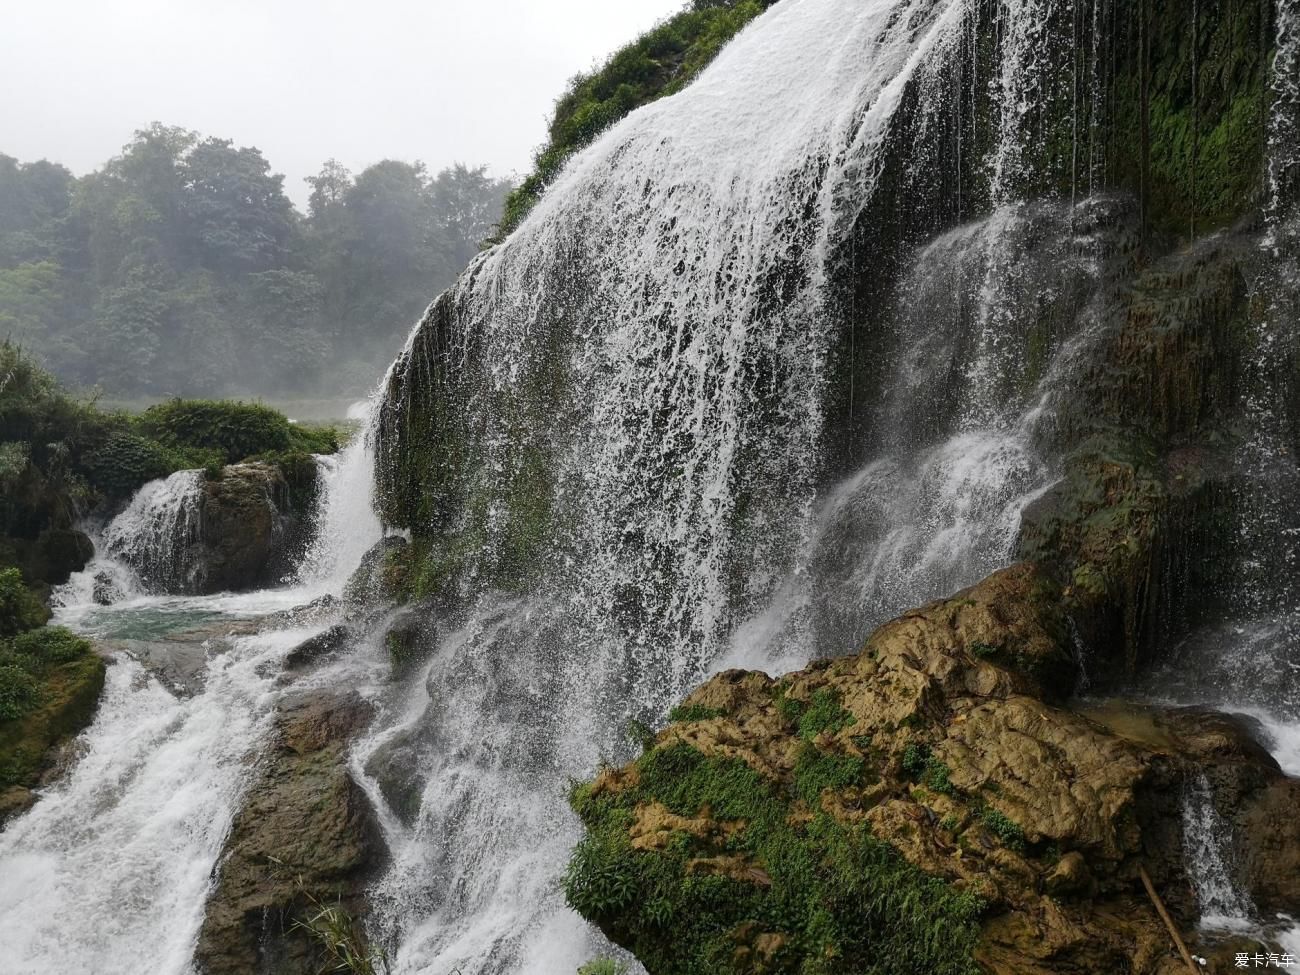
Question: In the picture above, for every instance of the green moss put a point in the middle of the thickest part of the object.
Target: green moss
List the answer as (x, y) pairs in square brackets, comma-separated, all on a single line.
[(843, 900), (1008, 831), (694, 712), (824, 714)]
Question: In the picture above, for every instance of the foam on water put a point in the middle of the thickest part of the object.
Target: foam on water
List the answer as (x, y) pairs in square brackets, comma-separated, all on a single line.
[(109, 871)]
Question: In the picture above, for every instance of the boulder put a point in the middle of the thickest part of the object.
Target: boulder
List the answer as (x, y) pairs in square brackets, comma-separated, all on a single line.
[(306, 836), (931, 796), (249, 529)]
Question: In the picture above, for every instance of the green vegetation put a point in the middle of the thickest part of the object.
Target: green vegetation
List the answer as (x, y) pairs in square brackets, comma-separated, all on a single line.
[(920, 765), (824, 714), (19, 609), (181, 267), (603, 966), (1008, 831), (694, 712), (661, 62), (339, 938), (834, 898), (50, 681)]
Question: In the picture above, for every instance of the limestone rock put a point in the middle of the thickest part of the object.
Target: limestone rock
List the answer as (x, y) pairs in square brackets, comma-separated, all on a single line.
[(306, 831), (947, 737)]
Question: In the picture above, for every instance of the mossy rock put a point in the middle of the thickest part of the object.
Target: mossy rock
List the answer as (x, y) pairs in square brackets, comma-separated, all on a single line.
[(66, 699)]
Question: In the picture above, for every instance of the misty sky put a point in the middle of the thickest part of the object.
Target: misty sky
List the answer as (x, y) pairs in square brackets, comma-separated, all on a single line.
[(361, 80)]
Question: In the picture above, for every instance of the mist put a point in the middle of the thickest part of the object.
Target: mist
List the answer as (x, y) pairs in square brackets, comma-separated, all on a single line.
[(258, 200)]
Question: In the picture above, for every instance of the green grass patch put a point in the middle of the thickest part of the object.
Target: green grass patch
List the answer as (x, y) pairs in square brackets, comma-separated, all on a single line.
[(846, 901), (694, 712)]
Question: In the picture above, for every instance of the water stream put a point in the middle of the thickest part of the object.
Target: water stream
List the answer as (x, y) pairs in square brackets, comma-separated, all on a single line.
[(109, 871), (677, 274)]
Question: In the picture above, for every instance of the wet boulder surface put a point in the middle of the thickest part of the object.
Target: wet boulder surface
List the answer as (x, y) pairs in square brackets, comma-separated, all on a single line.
[(932, 803)]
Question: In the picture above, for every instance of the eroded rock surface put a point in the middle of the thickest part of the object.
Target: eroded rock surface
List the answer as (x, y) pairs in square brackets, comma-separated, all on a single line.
[(306, 831), (946, 738)]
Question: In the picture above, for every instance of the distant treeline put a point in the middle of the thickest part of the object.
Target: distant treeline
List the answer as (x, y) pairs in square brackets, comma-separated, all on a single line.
[(181, 267)]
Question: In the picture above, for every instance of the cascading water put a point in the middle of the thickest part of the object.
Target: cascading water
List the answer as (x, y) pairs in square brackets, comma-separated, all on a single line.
[(154, 535), (677, 276), (109, 872), (1205, 837)]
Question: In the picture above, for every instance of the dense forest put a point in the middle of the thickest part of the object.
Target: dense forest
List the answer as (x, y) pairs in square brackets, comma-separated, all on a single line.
[(181, 267)]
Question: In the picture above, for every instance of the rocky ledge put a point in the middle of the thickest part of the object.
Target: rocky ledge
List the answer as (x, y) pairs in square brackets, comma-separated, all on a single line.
[(929, 805), (305, 840)]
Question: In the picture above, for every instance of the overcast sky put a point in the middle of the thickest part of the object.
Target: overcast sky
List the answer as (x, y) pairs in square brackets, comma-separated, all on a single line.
[(361, 80)]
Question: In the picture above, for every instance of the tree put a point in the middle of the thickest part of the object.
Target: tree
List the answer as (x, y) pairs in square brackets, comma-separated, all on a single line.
[(234, 207)]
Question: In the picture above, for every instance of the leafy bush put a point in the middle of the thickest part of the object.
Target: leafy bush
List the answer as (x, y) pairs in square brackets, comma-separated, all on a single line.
[(51, 645), (234, 430), (19, 609), (19, 692), (126, 461)]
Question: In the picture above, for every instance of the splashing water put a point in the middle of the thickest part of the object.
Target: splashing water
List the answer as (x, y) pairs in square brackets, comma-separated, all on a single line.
[(109, 871), (154, 535), (1224, 907)]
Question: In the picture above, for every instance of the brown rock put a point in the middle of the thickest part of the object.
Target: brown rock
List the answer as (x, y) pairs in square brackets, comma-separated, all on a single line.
[(306, 831)]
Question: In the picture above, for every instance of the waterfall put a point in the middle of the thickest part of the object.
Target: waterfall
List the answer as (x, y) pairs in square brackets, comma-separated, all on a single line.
[(346, 524), (1207, 846), (154, 535), (109, 872), (641, 370)]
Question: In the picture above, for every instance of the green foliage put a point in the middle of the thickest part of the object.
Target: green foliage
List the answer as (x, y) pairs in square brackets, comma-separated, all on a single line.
[(983, 650), (19, 609), (19, 692), (339, 938), (661, 62), (603, 966), (51, 645), (915, 759), (824, 714), (846, 901), (234, 430), (694, 712), (1008, 831), (126, 461), (816, 771), (181, 266)]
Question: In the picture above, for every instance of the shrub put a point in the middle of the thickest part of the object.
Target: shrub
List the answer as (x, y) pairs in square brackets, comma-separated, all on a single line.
[(233, 430), (125, 462), (19, 692), (19, 609), (51, 645)]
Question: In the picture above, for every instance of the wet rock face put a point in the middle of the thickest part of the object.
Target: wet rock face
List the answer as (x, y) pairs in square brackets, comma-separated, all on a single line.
[(249, 529), (946, 739), (306, 831)]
